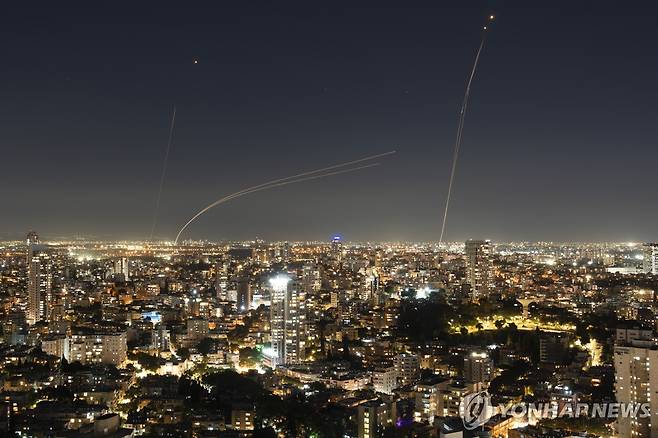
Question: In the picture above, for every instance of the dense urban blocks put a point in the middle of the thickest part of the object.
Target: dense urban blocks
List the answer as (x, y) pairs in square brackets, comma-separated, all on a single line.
[(317, 338)]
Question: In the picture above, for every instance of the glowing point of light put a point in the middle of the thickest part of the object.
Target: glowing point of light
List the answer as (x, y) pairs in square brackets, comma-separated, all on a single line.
[(279, 283), (491, 17), (423, 292)]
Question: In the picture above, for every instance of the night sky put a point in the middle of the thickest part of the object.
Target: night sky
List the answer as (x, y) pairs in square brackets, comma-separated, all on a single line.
[(560, 139)]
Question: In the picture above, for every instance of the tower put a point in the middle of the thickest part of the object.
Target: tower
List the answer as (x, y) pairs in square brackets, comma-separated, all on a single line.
[(479, 267), (287, 320), (650, 261), (636, 380), (244, 295), (120, 269), (39, 282)]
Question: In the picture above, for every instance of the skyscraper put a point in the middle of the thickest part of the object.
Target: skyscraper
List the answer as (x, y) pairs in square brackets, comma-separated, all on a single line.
[(220, 280), (288, 320), (120, 269), (636, 380), (244, 295), (650, 263), (39, 283), (479, 273)]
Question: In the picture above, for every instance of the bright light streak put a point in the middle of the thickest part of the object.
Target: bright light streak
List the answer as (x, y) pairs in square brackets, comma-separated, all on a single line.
[(304, 176)]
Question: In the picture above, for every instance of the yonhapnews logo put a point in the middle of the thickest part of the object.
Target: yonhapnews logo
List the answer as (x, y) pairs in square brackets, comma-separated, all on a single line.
[(476, 409)]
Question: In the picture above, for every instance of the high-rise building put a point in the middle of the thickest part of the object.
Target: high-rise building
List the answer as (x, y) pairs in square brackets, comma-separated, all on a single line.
[(287, 320), (373, 417), (636, 382), (337, 248), (385, 380), (160, 339), (479, 267), (407, 367), (120, 269), (428, 399), (221, 280), (478, 367), (39, 284), (650, 261), (244, 295)]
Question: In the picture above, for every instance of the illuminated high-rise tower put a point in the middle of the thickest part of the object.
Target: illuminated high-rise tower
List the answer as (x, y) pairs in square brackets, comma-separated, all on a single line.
[(650, 262), (244, 295), (287, 320), (120, 269), (479, 267), (39, 282)]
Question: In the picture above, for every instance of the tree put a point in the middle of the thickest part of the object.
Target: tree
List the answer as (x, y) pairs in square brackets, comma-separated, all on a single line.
[(205, 346), (184, 353), (147, 361), (249, 357)]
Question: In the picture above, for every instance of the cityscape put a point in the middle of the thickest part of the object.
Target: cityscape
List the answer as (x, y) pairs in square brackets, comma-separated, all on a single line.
[(328, 338), (329, 220)]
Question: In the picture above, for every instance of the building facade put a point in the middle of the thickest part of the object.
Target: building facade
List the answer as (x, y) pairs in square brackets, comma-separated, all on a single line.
[(479, 267), (39, 282)]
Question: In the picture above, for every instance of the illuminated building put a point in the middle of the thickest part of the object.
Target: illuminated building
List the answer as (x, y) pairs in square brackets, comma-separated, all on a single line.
[(287, 320), (636, 382), (160, 339), (479, 267), (428, 399), (650, 260), (120, 269), (39, 286), (244, 295), (407, 367), (197, 328), (242, 418), (385, 380), (478, 367), (90, 348), (55, 345), (373, 416)]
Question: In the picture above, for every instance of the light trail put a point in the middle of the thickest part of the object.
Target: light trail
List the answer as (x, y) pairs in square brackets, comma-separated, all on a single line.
[(304, 176), (460, 129), (163, 174)]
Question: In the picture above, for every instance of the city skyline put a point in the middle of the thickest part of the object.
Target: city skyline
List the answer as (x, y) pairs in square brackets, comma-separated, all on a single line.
[(345, 220), (556, 128)]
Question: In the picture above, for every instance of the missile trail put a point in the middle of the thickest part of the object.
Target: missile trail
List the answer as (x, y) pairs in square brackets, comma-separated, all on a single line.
[(164, 172), (460, 129), (266, 186), (304, 176), (324, 169)]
